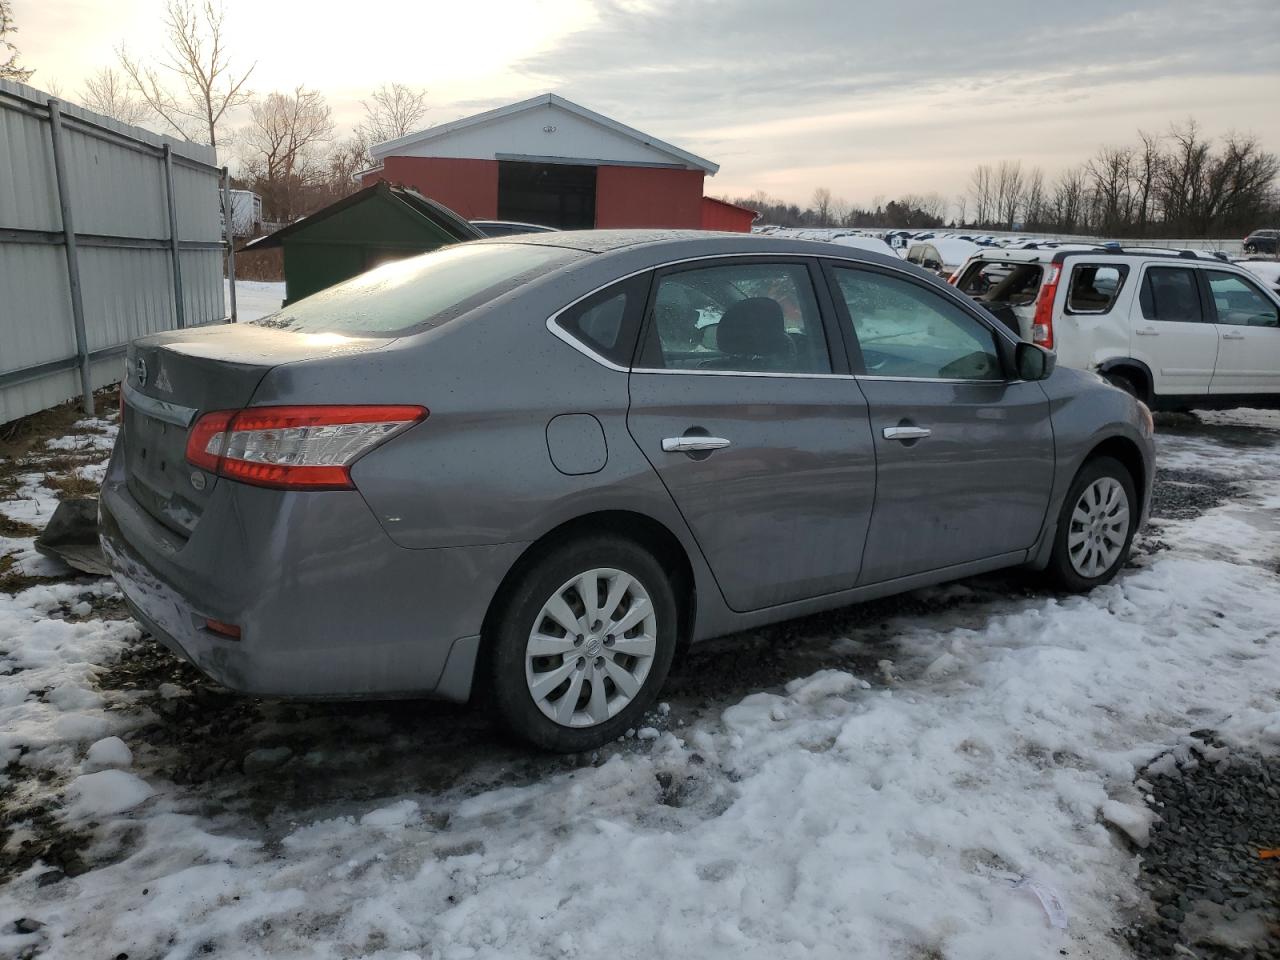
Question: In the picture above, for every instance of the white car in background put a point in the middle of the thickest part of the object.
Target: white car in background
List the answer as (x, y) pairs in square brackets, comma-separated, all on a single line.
[(1178, 330), (942, 255), (863, 242)]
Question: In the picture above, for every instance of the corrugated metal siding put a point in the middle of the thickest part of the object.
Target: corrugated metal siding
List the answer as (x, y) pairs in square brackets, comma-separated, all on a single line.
[(118, 189)]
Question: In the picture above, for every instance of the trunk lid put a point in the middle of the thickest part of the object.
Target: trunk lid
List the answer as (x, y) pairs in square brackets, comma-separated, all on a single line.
[(171, 379)]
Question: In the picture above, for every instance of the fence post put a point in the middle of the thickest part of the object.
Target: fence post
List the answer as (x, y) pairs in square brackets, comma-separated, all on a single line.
[(229, 231), (73, 261), (179, 307)]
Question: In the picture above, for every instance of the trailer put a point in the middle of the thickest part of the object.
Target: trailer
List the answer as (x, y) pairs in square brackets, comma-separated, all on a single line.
[(246, 213)]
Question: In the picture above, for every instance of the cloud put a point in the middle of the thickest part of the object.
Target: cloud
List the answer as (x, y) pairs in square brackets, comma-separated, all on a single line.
[(777, 92)]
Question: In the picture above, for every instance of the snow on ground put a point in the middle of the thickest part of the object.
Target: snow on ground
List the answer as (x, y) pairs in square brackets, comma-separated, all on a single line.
[(254, 298), (966, 771)]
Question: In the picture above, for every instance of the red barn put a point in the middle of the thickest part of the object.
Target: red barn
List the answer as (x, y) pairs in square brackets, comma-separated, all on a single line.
[(550, 161)]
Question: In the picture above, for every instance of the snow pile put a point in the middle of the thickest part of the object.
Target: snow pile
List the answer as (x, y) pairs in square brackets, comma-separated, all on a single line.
[(104, 793), (108, 752)]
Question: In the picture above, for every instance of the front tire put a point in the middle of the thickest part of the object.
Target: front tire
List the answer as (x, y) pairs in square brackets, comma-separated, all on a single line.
[(1096, 526), (583, 643)]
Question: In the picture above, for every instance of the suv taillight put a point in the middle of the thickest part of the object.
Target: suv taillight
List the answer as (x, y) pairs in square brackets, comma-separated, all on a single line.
[(1042, 325), (294, 447)]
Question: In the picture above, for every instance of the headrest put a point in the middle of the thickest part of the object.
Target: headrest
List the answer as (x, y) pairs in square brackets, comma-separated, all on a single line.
[(753, 328)]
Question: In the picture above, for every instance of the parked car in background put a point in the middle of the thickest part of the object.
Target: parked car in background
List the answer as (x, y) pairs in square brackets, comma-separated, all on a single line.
[(863, 242), (522, 470), (1268, 271), (1262, 241), (942, 255), (1175, 329), (509, 228)]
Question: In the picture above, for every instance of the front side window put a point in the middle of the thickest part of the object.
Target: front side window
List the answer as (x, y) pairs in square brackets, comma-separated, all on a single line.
[(1239, 302), (1170, 294), (1094, 287), (906, 330), (745, 317)]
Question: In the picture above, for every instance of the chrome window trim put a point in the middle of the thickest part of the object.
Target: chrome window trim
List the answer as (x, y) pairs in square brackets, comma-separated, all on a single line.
[(781, 375), (1001, 382), (561, 334), (173, 413)]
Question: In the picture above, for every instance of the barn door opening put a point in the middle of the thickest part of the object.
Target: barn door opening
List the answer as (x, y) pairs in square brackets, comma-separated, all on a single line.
[(553, 194)]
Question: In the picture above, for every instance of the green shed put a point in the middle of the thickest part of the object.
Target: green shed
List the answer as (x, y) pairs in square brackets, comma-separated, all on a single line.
[(379, 224)]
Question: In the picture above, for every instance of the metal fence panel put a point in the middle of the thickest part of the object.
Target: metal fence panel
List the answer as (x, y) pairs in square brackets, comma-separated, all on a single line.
[(118, 194)]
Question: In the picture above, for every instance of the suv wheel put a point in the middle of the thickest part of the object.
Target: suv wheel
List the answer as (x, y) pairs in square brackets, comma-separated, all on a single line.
[(1124, 382), (584, 642), (1095, 527)]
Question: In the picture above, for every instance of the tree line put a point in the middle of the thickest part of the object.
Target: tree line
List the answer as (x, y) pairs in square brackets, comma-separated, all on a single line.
[(1177, 184)]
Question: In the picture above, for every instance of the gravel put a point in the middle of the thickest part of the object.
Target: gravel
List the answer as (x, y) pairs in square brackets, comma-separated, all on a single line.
[(1212, 894)]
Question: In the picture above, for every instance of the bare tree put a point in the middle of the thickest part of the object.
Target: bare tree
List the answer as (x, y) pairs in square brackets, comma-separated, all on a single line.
[(1143, 170), (1008, 191), (1069, 199), (392, 111), (279, 147), (9, 67), (821, 204), (840, 211), (961, 203), (982, 189), (1111, 170), (196, 61), (934, 205), (1033, 199), (107, 92)]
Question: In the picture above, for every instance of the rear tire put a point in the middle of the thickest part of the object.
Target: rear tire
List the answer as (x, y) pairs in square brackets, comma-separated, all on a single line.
[(558, 671), (1095, 527)]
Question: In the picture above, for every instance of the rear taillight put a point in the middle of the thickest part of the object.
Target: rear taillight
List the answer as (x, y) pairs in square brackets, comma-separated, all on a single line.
[(296, 447), (1042, 324)]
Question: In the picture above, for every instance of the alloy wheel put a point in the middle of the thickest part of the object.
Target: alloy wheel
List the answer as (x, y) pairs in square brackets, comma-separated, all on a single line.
[(1099, 527), (591, 647)]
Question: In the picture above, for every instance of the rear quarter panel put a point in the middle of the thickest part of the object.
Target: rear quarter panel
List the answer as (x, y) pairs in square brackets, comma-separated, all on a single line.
[(1085, 340)]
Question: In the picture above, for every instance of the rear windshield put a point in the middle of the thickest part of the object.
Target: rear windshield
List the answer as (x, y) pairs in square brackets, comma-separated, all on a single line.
[(1002, 281), (420, 292)]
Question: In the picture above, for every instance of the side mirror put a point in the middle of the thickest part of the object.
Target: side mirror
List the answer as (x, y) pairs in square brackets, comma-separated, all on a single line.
[(931, 264), (1034, 362)]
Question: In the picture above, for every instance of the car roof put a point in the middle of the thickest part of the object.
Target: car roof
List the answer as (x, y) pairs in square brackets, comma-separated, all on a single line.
[(694, 243)]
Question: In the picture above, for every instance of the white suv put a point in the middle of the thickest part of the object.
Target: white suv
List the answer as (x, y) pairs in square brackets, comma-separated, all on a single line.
[(1177, 330)]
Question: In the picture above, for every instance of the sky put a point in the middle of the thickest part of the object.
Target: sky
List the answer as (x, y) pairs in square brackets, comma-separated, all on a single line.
[(871, 100)]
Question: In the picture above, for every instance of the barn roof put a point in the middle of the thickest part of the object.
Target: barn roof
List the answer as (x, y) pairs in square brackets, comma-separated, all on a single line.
[(682, 157)]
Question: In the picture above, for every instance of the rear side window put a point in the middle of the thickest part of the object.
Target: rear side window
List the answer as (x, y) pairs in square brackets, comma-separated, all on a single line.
[(1170, 294), (607, 322), (1094, 287), (745, 317), (420, 292)]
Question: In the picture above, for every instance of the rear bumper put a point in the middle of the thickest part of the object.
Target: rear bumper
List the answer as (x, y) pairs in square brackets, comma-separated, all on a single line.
[(327, 604)]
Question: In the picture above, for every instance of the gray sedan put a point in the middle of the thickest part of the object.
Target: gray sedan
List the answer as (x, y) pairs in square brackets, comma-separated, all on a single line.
[(529, 470)]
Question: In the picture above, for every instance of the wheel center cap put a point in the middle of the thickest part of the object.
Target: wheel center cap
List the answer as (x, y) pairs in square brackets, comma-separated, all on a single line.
[(593, 647)]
